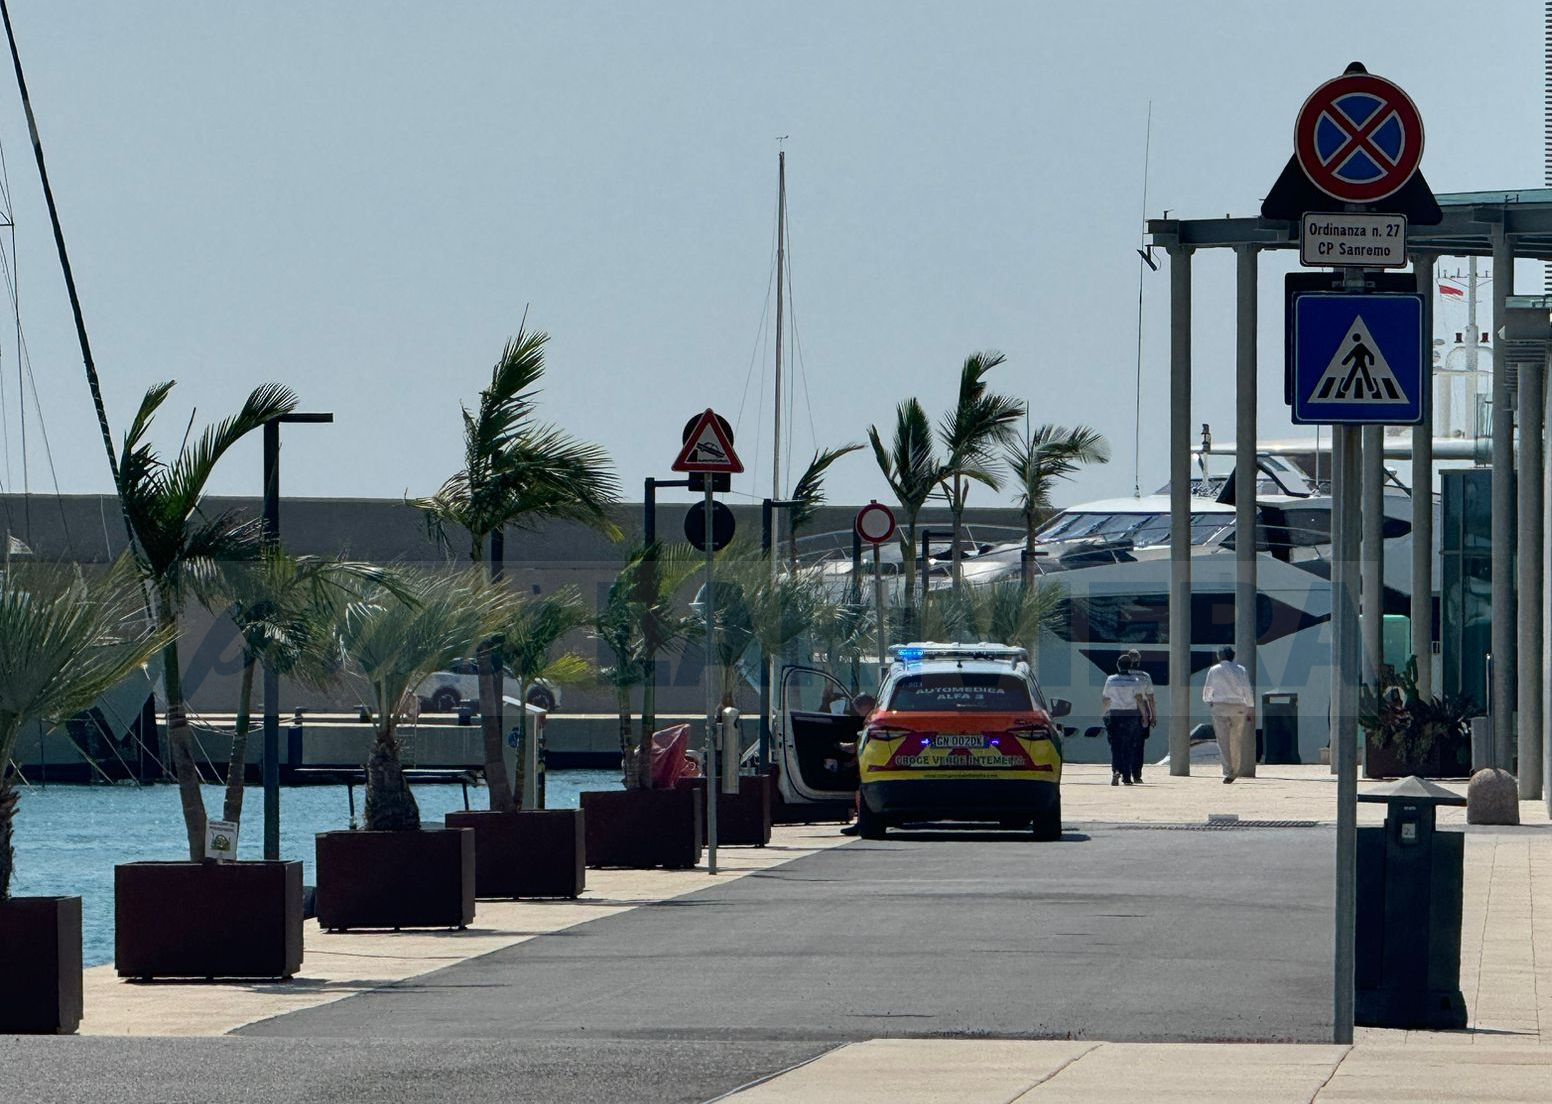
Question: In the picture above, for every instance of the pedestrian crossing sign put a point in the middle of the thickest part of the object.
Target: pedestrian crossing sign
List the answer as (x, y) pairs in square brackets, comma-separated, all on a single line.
[(1358, 359)]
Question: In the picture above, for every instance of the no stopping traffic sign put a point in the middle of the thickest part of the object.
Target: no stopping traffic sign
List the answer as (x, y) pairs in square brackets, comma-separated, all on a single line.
[(875, 523)]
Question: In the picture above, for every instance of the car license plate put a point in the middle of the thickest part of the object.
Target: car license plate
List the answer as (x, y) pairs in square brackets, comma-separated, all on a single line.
[(953, 741)]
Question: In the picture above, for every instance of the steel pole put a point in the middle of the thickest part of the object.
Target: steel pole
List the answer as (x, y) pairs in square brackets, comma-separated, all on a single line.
[(1344, 736), (1245, 475), (883, 619), (1504, 629), (1545, 675), (1422, 495), (766, 659), (711, 697), (1372, 568), (271, 539), (1179, 510), (1530, 580)]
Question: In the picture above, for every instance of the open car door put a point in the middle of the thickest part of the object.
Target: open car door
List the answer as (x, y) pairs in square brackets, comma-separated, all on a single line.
[(814, 769)]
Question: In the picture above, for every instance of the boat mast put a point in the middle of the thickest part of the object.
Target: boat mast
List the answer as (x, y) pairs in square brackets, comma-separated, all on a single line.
[(781, 269)]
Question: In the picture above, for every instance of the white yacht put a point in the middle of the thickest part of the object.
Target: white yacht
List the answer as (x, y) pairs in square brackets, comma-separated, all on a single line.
[(1111, 558)]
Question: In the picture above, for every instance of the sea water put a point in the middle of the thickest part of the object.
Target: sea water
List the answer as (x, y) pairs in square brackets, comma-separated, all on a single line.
[(69, 838)]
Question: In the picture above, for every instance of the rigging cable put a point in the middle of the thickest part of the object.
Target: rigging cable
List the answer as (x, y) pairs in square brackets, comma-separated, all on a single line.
[(757, 354), (90, 365), (11, 268), (797, 352)]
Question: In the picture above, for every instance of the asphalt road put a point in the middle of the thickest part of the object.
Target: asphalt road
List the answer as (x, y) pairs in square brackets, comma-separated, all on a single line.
[(1114, 933)]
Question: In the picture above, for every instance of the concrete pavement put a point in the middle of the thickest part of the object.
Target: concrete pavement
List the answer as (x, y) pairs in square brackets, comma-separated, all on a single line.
[(618, 996)]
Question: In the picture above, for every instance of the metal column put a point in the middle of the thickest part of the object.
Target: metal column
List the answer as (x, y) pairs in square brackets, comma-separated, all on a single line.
[(1530, 578), (1344, 734), (1372, 569), (270, 680), (1245, 472), (1504, 631), (1545, 674), (1422, 497), (1179, 510)]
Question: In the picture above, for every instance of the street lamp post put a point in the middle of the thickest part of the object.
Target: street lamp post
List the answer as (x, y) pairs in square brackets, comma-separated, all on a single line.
[(270, 535)]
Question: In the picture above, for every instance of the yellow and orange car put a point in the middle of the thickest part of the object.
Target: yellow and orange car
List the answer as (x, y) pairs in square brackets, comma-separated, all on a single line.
[(961, 733)]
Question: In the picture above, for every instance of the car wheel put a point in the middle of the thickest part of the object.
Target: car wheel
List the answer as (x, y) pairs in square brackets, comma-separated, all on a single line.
[(869, 824), (1048, 822), (542, 697), (445, 700)]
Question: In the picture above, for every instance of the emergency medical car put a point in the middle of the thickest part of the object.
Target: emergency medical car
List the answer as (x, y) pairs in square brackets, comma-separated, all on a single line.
[(961, 732)]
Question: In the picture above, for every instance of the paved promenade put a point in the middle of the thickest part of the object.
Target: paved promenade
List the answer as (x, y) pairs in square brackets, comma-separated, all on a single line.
[(1135, 959)]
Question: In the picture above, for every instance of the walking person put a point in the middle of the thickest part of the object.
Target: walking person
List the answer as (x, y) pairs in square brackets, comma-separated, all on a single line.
[(1121, 706), (1150, 714), (1228, 696)]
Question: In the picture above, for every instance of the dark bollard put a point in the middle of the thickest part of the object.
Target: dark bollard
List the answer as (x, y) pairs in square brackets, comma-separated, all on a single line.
[(1409, 909)]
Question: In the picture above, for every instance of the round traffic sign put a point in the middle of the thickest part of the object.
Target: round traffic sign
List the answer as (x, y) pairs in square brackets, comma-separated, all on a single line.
[(875, 523), (721, 526), (1359, 138)]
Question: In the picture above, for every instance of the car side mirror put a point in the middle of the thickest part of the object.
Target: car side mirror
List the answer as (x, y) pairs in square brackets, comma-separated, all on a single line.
[(1060, 707)]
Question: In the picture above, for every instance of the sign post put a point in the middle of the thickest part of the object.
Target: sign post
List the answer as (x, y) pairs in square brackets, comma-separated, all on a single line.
[(876, 524), (1355, 358), (708, 450)]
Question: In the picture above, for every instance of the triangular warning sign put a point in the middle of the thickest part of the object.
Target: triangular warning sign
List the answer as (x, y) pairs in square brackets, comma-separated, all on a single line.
[(1358, 372), (708, 448)]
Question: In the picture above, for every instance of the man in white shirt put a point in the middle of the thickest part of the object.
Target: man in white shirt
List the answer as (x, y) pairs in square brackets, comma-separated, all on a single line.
[(1233, 706)]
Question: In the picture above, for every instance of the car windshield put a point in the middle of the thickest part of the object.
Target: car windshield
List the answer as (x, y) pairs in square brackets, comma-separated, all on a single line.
[(960, 692)]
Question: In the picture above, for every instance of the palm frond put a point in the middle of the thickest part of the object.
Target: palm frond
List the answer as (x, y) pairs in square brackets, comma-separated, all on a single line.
[(808, 494)]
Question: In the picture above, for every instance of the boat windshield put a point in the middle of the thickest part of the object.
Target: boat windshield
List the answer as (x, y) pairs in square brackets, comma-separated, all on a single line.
[(1140, 529)]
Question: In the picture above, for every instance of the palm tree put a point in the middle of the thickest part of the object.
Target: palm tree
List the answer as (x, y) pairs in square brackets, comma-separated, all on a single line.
[(516, 471), (393, 639), (1004, 612), (640, 618), (910, 466), (181, 549), (63, 643), (972, 433), (286, 608), (530, 628), (808, 495), (1047, 454)]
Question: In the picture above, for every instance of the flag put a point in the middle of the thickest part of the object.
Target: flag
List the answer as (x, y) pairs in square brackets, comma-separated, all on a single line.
[(1450, 291)]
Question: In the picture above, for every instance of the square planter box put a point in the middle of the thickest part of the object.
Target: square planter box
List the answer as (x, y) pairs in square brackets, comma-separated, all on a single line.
[(529, 853), (40, 965), (421, 879), (643, 828), (207, 920), (1448, 758), (744, 818)]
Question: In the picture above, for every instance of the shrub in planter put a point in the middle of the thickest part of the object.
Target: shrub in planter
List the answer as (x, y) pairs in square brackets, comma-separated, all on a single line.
[(40, 965), (393, 874), (644, 828), (529, 853), (63, 643), (207, 920), (1406, 733)]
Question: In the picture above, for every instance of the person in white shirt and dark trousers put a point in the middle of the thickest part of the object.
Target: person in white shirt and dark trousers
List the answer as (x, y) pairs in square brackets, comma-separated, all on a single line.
[(1232, 702), (1125, 703)]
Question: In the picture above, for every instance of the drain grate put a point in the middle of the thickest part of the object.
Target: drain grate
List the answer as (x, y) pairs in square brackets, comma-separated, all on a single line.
[(1219, 825)]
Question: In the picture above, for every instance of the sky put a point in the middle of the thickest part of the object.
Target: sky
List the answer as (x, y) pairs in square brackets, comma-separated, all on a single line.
[(361, 200)]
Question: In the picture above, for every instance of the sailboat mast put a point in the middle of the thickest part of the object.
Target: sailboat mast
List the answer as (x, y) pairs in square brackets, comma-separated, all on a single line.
[(781, 275)]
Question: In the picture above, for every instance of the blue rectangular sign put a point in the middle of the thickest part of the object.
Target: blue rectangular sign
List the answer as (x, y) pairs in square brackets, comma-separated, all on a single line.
[(1358, 359)]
